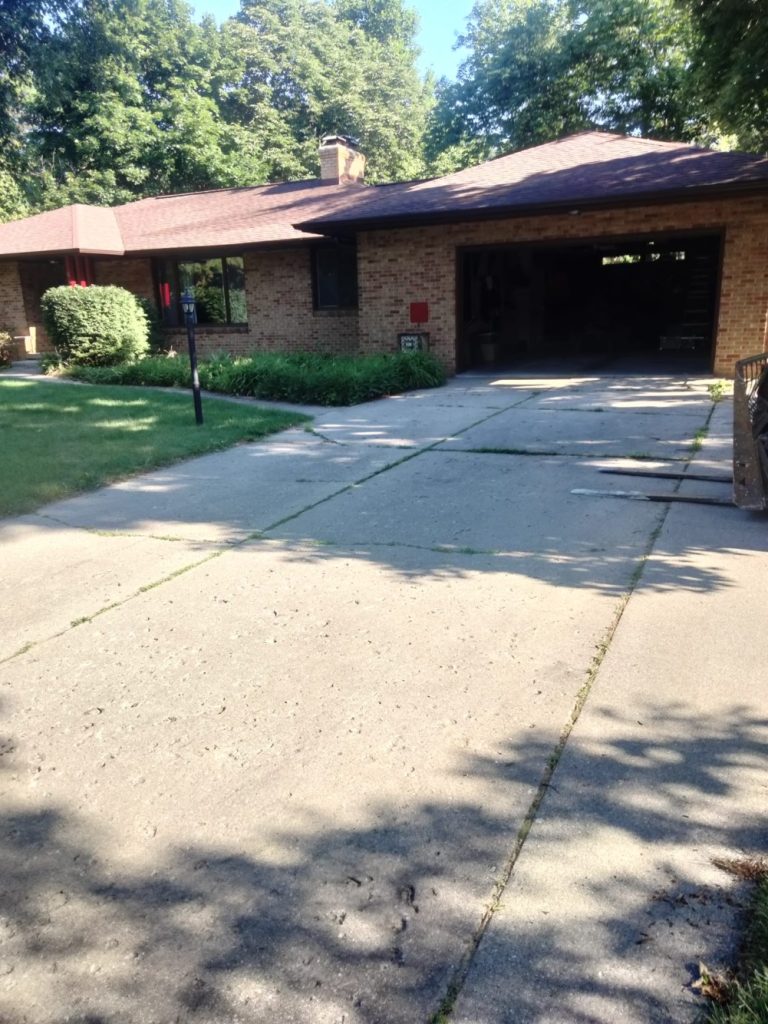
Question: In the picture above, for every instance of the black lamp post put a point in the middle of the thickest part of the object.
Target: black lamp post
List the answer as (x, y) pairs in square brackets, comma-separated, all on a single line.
[(188, 306)]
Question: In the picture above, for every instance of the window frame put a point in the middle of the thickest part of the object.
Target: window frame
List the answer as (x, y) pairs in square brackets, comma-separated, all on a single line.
[(158, 264), (337, 247)]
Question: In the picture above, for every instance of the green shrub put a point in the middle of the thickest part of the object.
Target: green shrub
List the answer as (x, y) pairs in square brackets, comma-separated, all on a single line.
[(50, 363), (153, 371), (322, 380), (155, 338), (95, 326), (6, 348), (305, 378), (747, 998)]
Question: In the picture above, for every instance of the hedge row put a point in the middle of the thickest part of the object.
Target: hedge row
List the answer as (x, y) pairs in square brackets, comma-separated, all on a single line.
[(304, 378)]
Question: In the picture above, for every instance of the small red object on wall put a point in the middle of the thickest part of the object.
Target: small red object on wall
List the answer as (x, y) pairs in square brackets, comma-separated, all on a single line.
[(419, 312)]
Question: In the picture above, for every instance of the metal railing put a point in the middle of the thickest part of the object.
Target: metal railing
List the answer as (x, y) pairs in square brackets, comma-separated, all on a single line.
[(750, 433)]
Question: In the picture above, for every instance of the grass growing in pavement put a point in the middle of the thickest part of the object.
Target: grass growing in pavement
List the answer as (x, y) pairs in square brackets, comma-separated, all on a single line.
[(719, 389), (747, 998), (698, 439), (63, 438)]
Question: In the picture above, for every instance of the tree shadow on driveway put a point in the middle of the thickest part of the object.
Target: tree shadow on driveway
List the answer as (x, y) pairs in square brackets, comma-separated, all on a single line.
[(369, 925)]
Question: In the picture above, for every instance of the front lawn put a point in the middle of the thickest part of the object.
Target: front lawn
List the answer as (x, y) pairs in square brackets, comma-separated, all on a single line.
[(59, 439)]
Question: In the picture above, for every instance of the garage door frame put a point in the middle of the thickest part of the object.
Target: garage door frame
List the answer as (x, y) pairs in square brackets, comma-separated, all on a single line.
[(716, 232)]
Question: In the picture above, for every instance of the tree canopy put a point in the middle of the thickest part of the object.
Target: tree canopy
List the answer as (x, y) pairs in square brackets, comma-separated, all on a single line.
[(540, 69), (104, 101), (126, 98), (731, 59)]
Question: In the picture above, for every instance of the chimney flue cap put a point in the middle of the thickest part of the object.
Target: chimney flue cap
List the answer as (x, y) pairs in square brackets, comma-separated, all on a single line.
[(344, 140)]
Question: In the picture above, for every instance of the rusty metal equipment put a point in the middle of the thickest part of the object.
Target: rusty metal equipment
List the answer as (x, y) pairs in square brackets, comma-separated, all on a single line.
[(750, 433)]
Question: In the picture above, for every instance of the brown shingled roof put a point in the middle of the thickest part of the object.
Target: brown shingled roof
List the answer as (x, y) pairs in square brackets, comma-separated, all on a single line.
[(239, 217), (223, 218), (589, 169), (77, 228)]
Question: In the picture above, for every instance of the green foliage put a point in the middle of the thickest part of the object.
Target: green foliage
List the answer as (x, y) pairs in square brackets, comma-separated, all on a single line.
[(6, 347), (26, 27), (133, 98), (304, 378), (13, 202), (155, 337), (105, 101), (300, 69), (69, 439), (718, 389), (729, 66), (748, 997), (153, 371), (51, 364), (95, 326), (127, 105), (541, 69)]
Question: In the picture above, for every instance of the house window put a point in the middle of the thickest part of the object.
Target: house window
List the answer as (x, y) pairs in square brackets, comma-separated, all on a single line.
[(218, 285), (334, 276)]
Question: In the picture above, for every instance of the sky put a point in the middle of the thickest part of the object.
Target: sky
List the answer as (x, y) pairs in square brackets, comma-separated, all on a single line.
[(440, 23)]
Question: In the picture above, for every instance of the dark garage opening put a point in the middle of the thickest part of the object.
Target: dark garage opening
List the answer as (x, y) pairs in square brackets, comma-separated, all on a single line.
[(649, 300)]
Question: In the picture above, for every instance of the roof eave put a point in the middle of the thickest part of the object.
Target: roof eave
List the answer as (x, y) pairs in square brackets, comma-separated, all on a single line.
[(191, 248), (463, 216), (44, 254)]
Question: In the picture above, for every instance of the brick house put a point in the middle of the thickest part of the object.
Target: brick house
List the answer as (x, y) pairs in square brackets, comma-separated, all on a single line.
[(596, 244)]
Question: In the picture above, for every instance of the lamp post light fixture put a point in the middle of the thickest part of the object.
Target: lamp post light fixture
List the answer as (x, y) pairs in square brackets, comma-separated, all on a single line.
[(190, 317)]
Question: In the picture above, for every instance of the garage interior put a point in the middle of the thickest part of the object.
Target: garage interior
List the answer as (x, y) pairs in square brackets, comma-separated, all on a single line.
[(651, 300)]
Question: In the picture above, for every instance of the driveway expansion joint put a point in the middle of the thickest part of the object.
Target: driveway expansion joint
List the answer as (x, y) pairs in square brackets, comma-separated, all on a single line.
[(444, 1011)]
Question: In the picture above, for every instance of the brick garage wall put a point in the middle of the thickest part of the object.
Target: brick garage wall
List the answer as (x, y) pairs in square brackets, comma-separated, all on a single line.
[(415, 264)]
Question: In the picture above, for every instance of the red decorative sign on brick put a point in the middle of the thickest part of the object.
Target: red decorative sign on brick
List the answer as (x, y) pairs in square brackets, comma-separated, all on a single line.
[(419, 312)]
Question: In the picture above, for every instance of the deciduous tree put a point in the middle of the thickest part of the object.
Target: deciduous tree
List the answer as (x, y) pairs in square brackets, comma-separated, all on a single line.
[(539, 69)]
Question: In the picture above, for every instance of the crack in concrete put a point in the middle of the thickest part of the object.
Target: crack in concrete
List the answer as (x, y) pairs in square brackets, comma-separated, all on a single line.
[(533, 452), (445, 1010), (83, 619), (230, 546)]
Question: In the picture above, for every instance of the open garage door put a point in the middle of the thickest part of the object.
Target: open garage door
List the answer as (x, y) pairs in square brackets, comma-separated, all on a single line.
[(652, 300)]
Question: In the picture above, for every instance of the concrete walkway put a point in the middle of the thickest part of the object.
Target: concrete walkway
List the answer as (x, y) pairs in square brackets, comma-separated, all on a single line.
[(284, 726)]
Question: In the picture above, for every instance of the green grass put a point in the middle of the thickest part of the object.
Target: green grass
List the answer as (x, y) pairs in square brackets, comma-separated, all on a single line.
[(305, 378), (698, 439), (719, 389), (64, 438), (747, 1001)]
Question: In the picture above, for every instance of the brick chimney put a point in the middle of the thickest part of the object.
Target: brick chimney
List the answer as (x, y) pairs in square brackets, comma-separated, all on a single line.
[(341, 162)]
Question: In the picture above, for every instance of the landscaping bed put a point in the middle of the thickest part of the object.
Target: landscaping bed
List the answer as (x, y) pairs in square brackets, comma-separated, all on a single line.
[(303, 378), (62, 438)]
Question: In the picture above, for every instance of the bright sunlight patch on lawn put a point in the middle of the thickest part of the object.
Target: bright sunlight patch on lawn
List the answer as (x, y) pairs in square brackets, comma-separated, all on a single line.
[(59, 439)]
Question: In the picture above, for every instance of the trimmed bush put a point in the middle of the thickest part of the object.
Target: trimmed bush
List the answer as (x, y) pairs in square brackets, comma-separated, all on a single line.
[(304, 378), (100, 325), (6, 348), (155, 337)]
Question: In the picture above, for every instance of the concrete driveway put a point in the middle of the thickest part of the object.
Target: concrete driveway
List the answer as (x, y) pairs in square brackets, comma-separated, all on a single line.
[(383, 721)]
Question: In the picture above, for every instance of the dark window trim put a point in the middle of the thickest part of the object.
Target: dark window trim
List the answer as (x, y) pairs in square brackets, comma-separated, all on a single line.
[(197, 257), (327, 247)]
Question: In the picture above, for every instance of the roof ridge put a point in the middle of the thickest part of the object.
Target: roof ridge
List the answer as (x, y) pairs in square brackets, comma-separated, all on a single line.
[(235, 188)]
